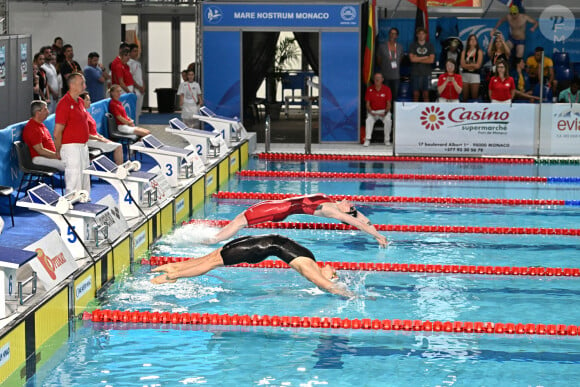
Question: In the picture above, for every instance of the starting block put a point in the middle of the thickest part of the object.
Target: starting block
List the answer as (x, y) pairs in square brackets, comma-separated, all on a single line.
[(132, 185), (205, 144), (175, 163), (231, 129), (11, 290), (71, 213)]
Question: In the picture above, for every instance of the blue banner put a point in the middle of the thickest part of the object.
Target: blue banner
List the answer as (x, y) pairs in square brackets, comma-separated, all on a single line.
[(280, 15)]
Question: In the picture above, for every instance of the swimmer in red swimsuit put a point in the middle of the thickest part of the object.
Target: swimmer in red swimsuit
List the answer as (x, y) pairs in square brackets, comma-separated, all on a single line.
[(254, 249), (316, 204)]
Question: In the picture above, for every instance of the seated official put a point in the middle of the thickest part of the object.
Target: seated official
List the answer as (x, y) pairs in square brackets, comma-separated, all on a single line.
[(378, 99), (98, 141), (125, 125), (522, 82), (38, 138)]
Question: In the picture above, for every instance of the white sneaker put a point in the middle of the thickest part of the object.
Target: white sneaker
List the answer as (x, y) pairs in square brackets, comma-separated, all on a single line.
[(367, 143)]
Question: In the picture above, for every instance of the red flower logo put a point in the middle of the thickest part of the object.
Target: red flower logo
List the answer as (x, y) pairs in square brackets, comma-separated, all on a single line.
[(432, 118)]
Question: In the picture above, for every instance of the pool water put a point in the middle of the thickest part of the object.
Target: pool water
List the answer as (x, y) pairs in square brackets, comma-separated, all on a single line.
[(122, 354)]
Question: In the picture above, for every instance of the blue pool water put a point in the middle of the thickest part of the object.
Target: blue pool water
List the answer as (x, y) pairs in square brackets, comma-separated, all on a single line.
[(134, 354)]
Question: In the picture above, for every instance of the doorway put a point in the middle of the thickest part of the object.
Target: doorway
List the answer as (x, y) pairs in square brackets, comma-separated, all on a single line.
[(279, 69), (169, 44)]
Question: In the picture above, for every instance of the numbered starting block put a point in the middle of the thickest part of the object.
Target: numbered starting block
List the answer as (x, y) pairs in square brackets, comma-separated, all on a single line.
[(205, 144), (175, 163), (11, 293), (73, 215), (133, 186), (231, 129)]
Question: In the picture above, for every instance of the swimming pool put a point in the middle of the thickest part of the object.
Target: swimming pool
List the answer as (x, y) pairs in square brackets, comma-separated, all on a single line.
[(168, 354)]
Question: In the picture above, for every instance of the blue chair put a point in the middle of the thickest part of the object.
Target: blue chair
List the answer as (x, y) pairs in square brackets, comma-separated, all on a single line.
[(405, 92), (576, 68), (562, 73), (561, 59)]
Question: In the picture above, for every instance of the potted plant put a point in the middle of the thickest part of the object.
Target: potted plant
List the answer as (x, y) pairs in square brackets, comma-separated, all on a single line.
[(286, 54)]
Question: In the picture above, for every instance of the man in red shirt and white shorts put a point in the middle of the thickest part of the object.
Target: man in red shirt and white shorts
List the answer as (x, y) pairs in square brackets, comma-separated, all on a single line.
[(71, 134), (378, 102), (38, 139)]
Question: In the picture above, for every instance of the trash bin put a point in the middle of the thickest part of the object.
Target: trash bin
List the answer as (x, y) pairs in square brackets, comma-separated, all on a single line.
[(166, 100)]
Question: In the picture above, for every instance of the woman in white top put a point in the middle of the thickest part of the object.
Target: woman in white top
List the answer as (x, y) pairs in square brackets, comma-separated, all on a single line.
[(190, 99)]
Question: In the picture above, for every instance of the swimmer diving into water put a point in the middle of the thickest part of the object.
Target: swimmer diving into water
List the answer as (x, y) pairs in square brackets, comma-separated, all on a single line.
[(316, 204), (254, 249)]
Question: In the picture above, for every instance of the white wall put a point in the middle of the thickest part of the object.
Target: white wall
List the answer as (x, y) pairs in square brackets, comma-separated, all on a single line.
[(88, 27)]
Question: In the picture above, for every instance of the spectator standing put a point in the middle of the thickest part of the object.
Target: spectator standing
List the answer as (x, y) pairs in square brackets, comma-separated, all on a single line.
[(120, 72), (137, 74), (422, 55), (471, 61), (517, 21), (501, 86), (51, 78), (38, 139), (71, 134), (497, 50), (378, 99), (124, 123), (68, 66), (98, 141), (449, 84), (533, 64), (389, 58), (96, 76), (57, 49), (571, 94), (190, 98), (40, 87)]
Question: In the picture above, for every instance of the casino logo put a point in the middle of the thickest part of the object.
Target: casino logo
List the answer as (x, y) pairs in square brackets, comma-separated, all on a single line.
[(432, 118), (50, 264)]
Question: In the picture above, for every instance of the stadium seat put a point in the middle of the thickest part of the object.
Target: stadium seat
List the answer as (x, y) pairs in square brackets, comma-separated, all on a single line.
[(561, 59), (562, 73)]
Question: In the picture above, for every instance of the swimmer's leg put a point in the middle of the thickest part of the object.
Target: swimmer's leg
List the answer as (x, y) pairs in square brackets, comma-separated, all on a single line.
[(191, 268), (230, 230)]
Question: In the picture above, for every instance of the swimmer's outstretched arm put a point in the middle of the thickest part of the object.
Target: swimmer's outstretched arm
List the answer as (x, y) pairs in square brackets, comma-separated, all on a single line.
[(331, 212), (309, 269)]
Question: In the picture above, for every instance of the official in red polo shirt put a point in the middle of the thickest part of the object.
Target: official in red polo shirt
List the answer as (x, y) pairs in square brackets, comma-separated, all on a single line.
[(121, 72), (125, 125), (38, 139), (502, 87), (449, 84), (378, 102), (71, 134)]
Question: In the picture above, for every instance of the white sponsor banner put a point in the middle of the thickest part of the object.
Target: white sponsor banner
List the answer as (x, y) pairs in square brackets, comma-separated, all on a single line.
[(464, 128), (560, 129), (54, 262), (112, 218)]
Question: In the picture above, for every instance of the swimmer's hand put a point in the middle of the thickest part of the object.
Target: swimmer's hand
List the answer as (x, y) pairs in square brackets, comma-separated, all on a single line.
[(162, 279), (169, 270), (382, 241), (342, 290)]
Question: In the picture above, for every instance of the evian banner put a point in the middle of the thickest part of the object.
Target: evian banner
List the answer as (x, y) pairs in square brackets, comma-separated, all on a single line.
[(54, 262), (464, 128), (560, 134)]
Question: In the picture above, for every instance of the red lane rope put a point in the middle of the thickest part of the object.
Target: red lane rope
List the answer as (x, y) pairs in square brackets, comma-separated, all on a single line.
[(400, 267), (422, 159), (147, 317), (396, 199), (390, 176), (402, 228)]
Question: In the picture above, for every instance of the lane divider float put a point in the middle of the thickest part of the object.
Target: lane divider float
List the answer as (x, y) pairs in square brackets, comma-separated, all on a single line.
[(422, 159), (403, 199), (402, 176), (147, 317), (401, 228), (399, 267)]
